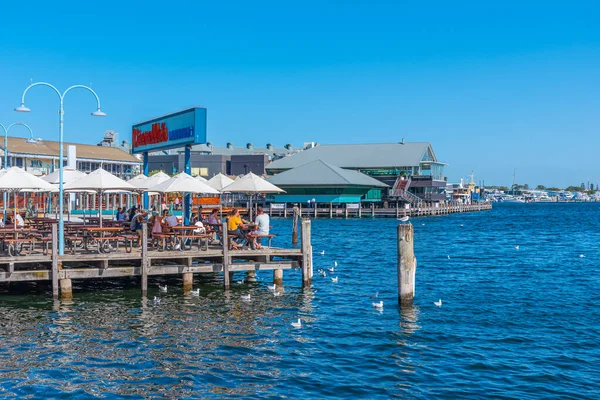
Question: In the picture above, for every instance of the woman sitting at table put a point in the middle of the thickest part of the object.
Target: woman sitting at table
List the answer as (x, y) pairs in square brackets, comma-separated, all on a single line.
[(234, 228), (213, 218)]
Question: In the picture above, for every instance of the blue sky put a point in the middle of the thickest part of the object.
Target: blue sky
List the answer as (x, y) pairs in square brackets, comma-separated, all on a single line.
[(492, 86)]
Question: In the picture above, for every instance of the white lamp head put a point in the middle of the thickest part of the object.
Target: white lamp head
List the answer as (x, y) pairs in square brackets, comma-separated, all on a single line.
[(22, 108), (98, 113)]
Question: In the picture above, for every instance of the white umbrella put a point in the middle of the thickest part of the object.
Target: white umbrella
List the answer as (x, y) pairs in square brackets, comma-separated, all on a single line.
[(101, 182), (251, 184), (15, 179), (183, 183), (70, 174), (154, 180), (139, 181), (220, 181), (201, 179)]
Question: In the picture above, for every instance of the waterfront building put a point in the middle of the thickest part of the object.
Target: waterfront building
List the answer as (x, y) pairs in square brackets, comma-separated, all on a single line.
[(411, 170), (207, 160), (324, 183), (40, 157)]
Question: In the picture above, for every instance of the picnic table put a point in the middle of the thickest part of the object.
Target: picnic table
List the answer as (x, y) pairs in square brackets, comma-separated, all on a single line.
[(184, 234), (14, 240)]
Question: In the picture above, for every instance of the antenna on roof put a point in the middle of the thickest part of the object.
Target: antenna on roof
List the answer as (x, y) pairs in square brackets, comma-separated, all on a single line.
[(402, 142), (31, 81)]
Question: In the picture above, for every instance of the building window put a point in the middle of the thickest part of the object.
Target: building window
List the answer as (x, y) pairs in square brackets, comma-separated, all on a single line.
[(36, 164), (203, 171), (19, 162)]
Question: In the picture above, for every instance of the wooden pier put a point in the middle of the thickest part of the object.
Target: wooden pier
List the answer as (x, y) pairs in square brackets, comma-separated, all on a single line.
[(396, 210), (145, 262)]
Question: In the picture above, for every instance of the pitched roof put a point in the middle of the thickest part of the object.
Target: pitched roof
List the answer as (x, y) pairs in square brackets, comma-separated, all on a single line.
[(51, 148), (370, 155), (321, 173), (271, 151)]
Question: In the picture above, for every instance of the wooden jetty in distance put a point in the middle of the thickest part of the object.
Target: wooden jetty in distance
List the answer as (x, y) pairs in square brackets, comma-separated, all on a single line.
[(396, 211), (145, 262)]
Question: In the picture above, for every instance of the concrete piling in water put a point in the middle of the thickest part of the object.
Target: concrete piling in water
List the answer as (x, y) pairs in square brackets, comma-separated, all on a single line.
[(407, 264), (251, 276), (188, 282), (226, 261), (66, 289), (278, 277)]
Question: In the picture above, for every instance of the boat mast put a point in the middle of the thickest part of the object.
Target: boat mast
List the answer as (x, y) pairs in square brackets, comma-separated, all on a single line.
[(514, 181)]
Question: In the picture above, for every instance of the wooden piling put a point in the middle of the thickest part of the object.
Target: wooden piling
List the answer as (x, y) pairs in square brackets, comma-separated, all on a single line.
[(407, 264), (145, 259), (226, 276), (307, 264), (54, 261), (295, 225)]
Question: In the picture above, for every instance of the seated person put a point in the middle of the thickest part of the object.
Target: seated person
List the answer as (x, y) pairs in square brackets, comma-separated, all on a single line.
[(121, 214), (12, 217), (262, 221), (213, 218), (169, 219), (234, 228)]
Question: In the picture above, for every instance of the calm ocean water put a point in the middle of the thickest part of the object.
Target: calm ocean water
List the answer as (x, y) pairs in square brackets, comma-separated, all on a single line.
[(514, 323)]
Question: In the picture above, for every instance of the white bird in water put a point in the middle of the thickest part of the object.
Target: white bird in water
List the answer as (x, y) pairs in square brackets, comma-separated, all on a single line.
[(335, 263), (581, 256), (379, 305), (438, 303), (334, 280), (156, 300), (461, 225), (297, 324), (276, 294), (162, 288), (332, 269), (246, 297), (448, 257), (517, 247), (323, 252), (273, 287), (404, 219), (195, 292), (323, 274)]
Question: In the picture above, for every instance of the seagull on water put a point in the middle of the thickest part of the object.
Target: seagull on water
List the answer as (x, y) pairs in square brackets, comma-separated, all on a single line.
[(448, 257), (162, 288), (404, 219), (323, 252), (297, 324), (438, 303), (461, 225), (273, 287), (246, 297), (332, 269), (323, 274), (517, 247), (379, 305), (335, 263), (195, 292), (334, 280), (156, 300), (276, 294), (581, 256)]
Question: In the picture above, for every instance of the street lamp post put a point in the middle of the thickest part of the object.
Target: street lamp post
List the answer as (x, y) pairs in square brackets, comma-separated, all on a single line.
[(61, 97), (30, 140)]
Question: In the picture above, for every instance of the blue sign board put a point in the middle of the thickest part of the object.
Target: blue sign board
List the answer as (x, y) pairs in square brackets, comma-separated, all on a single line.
[(170, 131)]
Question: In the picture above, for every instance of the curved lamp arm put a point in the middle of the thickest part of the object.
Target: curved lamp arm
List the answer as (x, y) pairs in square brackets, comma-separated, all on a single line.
[(22, 108), (98, 112)]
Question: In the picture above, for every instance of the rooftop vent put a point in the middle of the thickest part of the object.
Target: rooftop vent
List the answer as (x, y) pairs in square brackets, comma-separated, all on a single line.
[(288, 147), (208, 144), (269, 146), (402, 142), (249, 146), (229, 145)]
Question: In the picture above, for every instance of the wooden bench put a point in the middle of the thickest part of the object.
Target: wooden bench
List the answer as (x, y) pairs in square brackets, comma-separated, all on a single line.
[(15, 246), (162, 238), (196, 236), (258, 236)]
